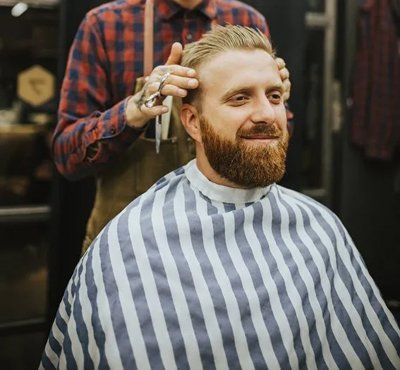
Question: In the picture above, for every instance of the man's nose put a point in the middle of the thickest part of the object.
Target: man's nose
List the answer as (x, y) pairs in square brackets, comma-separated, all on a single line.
[(263, 111)]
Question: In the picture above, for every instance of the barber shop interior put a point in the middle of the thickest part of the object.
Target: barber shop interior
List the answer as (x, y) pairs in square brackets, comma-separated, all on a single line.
[(136, 229)]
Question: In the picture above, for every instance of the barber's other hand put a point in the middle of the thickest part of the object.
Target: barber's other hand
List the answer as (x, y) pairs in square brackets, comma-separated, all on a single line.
[(179, 81), (284, 73)]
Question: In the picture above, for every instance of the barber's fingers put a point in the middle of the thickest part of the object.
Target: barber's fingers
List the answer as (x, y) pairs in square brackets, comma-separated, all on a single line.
[(287, 86), (175, 55), (170, 79), (285, 75), (155, 111), (138, 114), (280, 62), (173, 85), (181, 82), (178, 76), (172, 90), (166, 90), (174, 69), (283, 71)]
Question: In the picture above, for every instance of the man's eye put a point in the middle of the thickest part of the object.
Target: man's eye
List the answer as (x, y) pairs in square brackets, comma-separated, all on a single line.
[(275, 97), (238, 99)]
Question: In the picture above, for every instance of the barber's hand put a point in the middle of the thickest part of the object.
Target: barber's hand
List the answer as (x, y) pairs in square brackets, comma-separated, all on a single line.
[(178, 82), (284, 73)]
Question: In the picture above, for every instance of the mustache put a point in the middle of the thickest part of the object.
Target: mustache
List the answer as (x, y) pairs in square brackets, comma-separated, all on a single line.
[(261, 129)]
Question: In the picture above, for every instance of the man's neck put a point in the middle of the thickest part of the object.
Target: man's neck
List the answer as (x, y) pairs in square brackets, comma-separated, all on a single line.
[(205, 168), (188, 4)]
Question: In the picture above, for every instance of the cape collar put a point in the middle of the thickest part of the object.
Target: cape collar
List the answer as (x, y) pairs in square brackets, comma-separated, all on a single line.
[(221, 193)]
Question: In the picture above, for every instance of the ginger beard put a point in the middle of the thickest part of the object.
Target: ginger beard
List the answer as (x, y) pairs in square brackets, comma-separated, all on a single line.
[(245, 164)]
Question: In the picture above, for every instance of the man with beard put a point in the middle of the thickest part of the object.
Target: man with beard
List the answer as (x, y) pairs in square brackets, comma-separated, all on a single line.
[(216, 266)]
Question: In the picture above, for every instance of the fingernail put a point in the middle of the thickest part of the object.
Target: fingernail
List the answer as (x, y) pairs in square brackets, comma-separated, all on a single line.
[(192, 83), (191, 72)]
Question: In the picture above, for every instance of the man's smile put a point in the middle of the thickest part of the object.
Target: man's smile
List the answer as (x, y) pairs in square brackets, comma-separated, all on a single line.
[(259, 137), (263, 135)]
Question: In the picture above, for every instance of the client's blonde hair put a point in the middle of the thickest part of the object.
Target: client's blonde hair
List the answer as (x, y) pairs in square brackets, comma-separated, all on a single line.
[(218, 40)]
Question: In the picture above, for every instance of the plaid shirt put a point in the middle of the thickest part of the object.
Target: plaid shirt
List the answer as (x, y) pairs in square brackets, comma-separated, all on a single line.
[(105, 60)]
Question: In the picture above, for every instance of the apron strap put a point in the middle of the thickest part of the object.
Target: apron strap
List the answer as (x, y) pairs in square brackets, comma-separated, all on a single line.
[(148, 37)]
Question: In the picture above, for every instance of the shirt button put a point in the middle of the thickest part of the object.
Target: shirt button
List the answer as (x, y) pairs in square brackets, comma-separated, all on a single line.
[(189, 37), (112, 130)]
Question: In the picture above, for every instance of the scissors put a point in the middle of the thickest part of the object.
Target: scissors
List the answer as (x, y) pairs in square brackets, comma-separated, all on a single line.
[(150, 102)]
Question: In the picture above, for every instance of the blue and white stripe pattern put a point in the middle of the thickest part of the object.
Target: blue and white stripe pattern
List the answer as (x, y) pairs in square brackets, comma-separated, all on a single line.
[(196, 275)]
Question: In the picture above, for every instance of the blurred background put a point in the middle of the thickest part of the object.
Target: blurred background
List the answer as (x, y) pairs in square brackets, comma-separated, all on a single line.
[(342, 153)]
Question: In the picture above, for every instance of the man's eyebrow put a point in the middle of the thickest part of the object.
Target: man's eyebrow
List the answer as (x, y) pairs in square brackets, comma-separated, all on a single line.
[(234, 91), (246, 89), (278, 86)]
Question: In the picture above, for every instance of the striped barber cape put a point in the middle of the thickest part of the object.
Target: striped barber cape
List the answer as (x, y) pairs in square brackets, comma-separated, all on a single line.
[(194, 275)]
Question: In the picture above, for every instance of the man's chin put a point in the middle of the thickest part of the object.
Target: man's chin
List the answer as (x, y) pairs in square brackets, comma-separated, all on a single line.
[(252, 160)]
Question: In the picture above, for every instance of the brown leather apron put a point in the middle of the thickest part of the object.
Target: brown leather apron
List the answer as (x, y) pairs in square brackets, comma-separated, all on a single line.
[(140, 167)]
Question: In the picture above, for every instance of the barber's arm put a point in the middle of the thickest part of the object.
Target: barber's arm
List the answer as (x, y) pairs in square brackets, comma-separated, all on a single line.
[(177, 83), (91, 132)]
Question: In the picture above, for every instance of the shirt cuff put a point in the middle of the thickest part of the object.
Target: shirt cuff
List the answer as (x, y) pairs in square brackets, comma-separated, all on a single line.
[(112, 135)]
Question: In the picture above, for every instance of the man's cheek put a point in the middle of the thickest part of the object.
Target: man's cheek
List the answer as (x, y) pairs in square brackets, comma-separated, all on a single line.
[(282, 114)]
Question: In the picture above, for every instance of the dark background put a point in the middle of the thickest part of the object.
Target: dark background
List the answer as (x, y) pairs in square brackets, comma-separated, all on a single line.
[(366, 194)]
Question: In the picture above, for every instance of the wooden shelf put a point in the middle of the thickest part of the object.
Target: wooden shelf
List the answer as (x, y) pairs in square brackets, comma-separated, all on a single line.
[(23, 326), (36, 213)]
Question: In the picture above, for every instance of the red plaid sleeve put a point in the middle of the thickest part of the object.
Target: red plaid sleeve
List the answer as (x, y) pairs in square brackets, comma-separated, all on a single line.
[(89, 134)]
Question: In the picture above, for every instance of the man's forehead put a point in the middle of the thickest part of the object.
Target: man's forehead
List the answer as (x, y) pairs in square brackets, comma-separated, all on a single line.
[(239, 67)]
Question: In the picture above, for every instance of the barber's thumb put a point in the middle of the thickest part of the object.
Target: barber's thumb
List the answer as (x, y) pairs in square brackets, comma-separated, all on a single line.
[(175, 54)]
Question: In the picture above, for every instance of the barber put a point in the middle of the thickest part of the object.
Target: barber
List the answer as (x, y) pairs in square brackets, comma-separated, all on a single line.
[(103, 127)]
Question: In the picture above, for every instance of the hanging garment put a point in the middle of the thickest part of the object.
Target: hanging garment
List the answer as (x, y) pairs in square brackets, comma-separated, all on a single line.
[(375, 122)]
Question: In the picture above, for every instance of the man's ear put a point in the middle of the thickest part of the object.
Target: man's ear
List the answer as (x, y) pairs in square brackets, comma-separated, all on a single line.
[(190, 118)]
